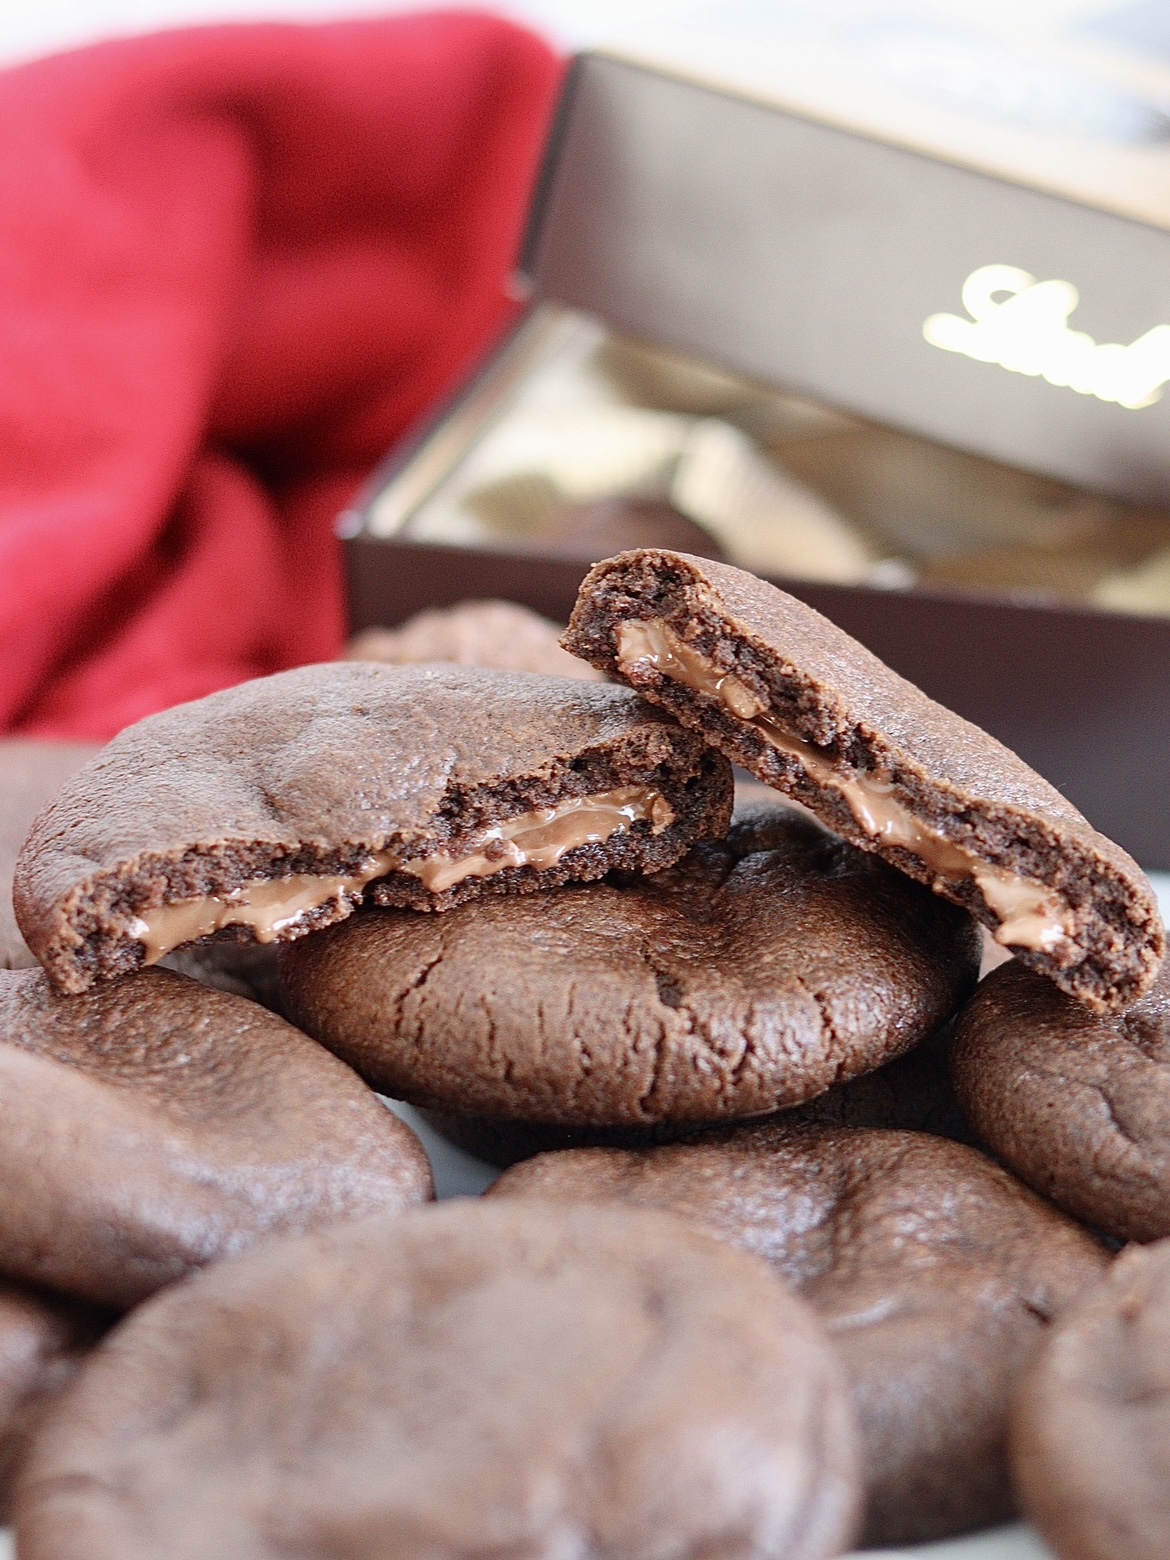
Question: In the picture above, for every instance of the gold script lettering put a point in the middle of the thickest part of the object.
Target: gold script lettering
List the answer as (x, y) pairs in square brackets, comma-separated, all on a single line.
[(1022, 325)]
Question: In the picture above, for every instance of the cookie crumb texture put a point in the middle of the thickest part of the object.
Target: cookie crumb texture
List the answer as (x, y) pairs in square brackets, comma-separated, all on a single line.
[(1090, 1442), (935, 1274), (755, 974), (274, 808), (1077, 1104), (461, 1381), (790, 697)]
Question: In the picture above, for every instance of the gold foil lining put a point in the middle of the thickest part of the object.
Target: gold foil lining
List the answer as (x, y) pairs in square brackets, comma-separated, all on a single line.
[(1030, 915), (538, 839)]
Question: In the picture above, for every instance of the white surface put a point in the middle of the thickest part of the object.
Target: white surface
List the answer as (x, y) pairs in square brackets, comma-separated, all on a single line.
[(1007, 1543), (456, 1174), (1161, 882)]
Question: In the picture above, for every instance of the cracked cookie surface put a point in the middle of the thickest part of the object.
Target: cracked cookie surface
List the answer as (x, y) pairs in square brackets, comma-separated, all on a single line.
[(755, 974), (1076, 1103), (935, 1274)]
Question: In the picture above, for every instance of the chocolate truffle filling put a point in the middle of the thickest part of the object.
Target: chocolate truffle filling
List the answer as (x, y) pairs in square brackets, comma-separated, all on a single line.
[(273, 809), (538, 838), (1030, 914)]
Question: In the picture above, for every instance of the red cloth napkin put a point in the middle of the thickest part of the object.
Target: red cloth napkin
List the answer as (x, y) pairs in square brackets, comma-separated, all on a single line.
[(235, 264)]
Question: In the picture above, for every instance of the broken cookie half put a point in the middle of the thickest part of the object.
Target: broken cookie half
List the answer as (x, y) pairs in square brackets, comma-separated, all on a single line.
[(784, 692), (274, 808)]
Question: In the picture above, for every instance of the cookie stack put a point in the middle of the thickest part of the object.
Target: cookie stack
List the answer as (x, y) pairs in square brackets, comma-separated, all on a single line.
[(522, 903)]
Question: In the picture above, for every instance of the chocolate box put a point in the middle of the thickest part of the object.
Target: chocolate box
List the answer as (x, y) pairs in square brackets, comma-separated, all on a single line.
[(922, 395)]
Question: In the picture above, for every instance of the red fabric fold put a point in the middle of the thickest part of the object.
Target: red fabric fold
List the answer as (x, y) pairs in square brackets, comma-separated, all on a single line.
[(236, 263)]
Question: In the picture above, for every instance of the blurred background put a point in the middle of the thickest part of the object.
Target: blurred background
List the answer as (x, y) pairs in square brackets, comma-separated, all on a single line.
[(943, 27), (616, 426)]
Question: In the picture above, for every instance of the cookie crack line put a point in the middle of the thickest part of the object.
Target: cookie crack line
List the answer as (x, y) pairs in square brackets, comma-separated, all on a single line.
[(747, 1056), (427, 970), (406, 989), (660, 1044), (1043, 1316), (1059, 1083), (668, 985), (1122, 1130), (828, 1028), (502, 1061)]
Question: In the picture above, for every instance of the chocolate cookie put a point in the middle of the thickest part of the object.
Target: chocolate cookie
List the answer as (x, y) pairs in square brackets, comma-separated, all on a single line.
[(934, 1272), (31, 774), (154, 1124), (1091, 1427), (43, 1339), (1077, 1104), (785, 693), (759, 971), (273, 808), (912, 1093), (474, 633), (469, 1380)]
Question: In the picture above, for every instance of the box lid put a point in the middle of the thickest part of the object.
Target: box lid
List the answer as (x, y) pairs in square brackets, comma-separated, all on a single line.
[(1015, 317)]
